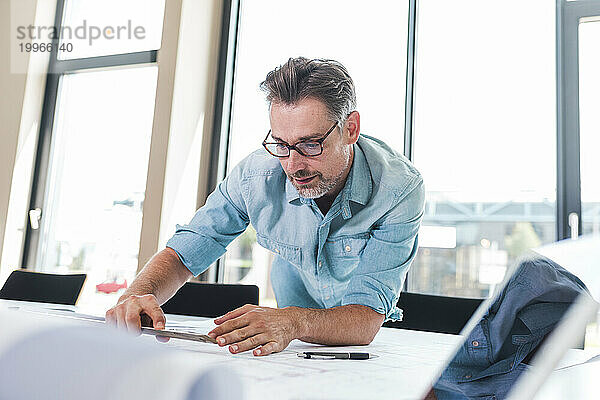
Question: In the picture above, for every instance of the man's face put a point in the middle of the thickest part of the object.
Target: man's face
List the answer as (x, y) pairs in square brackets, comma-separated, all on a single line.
[(316, 176)]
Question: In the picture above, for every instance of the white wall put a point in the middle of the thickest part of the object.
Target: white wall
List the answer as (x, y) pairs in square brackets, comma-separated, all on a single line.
[(21, 98)]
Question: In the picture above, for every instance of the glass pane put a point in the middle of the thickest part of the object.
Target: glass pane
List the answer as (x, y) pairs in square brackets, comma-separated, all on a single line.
[(97, 175), (485, 136), (93, 28), (369, 41), (589, 104)]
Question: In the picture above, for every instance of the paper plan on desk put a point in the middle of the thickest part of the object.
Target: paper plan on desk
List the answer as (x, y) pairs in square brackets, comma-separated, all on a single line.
[(406, 362)]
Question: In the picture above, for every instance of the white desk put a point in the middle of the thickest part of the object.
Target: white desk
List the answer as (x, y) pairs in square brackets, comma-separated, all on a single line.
[(577, 382), (406, 363)]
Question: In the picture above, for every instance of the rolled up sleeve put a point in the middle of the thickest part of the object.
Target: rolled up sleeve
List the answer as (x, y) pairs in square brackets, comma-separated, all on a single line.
[(387, 256), (217, 223)]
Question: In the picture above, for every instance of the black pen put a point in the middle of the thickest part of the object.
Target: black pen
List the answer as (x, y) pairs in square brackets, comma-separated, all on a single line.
[(324, 355)]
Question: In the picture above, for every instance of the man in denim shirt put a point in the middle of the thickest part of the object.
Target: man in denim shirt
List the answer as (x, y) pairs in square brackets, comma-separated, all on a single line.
[(340, 212)]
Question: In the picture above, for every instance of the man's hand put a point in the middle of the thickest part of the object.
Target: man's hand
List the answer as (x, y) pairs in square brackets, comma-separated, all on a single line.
[(249, 327), (160, 278), (127, 314)]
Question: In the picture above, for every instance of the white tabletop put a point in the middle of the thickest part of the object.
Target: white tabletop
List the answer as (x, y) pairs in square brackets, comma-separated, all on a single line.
[(575, 382), (405, 363)]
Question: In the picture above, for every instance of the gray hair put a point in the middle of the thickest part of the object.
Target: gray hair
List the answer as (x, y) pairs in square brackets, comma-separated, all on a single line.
[(325, 80)]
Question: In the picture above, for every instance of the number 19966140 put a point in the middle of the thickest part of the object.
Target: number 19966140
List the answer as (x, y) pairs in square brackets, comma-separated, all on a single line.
[(45, 47)]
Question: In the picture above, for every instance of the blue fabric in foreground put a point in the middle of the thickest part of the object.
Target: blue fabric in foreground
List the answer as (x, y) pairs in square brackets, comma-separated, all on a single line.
[(495, 352)]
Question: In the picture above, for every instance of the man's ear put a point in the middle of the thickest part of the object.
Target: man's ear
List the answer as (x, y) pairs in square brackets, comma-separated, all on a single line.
[(353, 127)]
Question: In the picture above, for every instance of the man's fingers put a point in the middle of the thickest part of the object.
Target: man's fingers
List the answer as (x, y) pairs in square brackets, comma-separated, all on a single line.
[(128, 314), (266, 349), (163, 339), (236, 335), (248, 344), (227, 327), (234, 313), (131, 316), (132, 319), (110, 318), (153, 310), (120, 318)]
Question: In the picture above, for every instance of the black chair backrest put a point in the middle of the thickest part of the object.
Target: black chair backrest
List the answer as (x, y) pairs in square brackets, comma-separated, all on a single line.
[(41, 287), (423, 312), (210, 299)]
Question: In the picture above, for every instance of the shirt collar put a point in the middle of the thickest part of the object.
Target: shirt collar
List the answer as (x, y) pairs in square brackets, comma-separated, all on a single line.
[(358, 187)]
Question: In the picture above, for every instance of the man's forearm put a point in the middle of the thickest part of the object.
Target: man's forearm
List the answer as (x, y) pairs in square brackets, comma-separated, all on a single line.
[(345, 325), (162, 276)]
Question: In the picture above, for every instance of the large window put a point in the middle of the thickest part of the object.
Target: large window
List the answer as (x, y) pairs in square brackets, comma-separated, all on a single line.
[(98, 166), (369, 40), (484, 140), (481, 126), (90, 179)]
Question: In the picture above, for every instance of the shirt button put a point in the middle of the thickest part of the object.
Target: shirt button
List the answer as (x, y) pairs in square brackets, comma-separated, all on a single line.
[(348, 248), (475, 343), (320, 263), (327, 298), (468, 376)]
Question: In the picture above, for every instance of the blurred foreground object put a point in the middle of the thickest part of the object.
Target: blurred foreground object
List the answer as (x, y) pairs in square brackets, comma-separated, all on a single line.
[(53, 358)]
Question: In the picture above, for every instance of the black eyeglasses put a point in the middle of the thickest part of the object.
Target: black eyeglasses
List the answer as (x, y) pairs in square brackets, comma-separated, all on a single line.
[(306, 148)]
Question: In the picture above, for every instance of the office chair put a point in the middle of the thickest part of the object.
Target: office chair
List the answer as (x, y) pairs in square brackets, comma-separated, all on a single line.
[(43, 288), (210, 299), (423, 312)]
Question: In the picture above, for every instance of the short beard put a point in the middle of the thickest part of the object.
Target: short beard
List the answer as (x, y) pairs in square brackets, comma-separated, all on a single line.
[(323, 185)]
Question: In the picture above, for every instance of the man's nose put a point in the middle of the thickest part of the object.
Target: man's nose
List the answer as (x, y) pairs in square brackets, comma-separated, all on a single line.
[(295, 161)]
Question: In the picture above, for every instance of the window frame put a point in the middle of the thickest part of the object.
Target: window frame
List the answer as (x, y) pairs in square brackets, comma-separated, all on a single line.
[(56, 70), (568, 189), (222, 116)]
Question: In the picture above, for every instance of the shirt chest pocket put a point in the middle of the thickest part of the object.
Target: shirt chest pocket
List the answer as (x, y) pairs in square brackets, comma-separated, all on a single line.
[(291, 254), (342, 255)]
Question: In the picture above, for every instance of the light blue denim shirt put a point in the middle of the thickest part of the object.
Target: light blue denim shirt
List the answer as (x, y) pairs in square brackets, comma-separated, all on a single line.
[(358, 253)]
